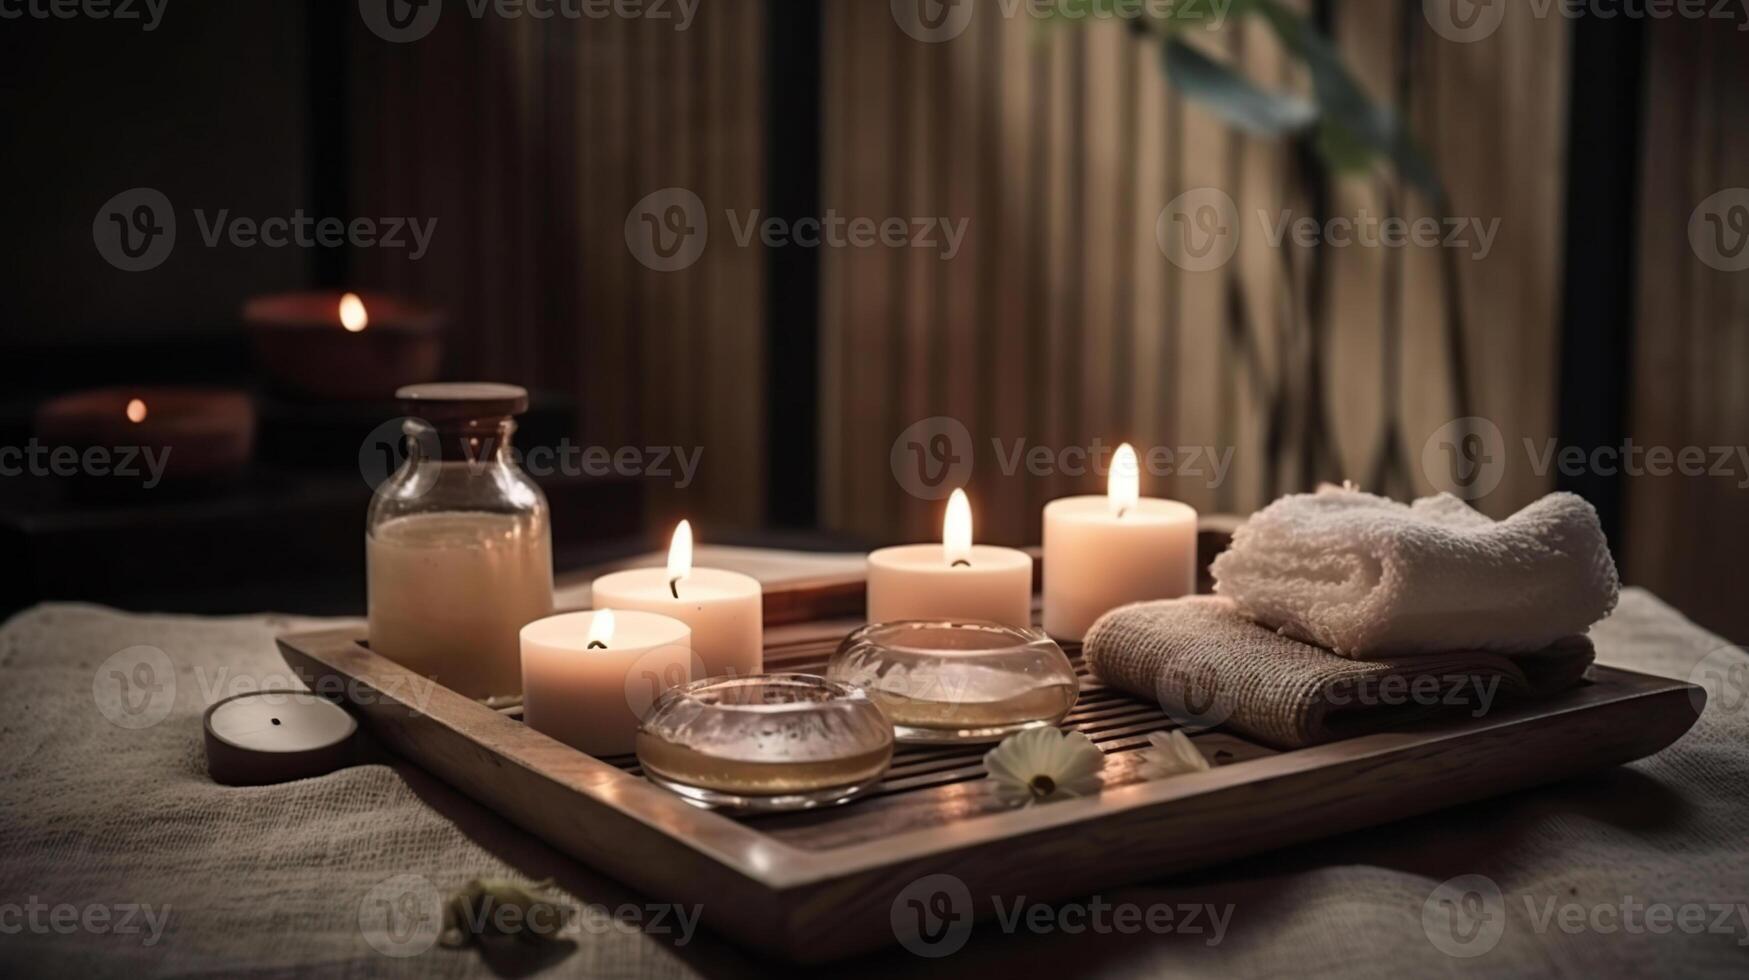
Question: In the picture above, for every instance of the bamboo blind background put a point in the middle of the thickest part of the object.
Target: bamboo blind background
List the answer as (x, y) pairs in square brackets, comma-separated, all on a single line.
[(1688, 537), (1061, 320), (531, 140)]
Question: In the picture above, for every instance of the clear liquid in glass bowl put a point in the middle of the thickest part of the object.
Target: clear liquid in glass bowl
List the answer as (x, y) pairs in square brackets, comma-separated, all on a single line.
[(945, 682), (765, 742)]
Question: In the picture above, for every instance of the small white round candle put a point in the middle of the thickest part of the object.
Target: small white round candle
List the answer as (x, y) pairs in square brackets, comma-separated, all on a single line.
[(953, 580), (726, 610), (588, 677), (1105, 552)]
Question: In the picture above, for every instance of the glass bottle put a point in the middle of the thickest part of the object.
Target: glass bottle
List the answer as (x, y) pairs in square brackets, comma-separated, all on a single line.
[(458, 542)]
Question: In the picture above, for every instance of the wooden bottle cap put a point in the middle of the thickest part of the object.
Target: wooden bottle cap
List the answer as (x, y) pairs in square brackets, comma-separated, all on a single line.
[(462, 401), (267, 737)]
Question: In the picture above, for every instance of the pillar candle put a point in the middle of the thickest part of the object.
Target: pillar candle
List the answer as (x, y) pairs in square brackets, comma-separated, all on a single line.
[(588, 677), (1105, 552), (726, 610), (954, 580)]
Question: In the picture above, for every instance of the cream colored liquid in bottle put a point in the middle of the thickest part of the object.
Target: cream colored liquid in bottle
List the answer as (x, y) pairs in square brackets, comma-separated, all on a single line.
[(459, 544)]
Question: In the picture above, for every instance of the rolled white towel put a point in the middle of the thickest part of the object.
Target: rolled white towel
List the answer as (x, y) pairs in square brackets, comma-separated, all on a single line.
[(1360, 574)]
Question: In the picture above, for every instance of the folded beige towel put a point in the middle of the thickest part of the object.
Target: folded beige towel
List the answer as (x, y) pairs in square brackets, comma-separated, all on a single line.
[(1207, 665)]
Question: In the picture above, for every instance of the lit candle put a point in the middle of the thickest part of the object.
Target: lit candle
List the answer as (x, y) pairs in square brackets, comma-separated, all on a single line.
[(353, 316), (1105, 552), (588, 677), (725, 609), (954, 580)]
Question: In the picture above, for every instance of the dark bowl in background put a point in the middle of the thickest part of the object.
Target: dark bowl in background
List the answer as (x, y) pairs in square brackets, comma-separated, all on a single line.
[(208, 433), (302, 351)]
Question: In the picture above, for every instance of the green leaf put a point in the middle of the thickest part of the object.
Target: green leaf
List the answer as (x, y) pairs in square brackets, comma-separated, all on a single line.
[(1353, 130), (1342, 151), (1232, 96)]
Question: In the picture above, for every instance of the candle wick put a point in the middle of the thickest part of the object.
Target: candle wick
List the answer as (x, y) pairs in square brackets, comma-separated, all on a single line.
[(674, 586), (960, 562), (596, 645), (1121, 511)]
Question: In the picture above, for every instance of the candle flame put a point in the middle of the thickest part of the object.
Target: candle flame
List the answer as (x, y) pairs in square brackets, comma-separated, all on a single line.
[(956, 529), (352, 313), (1123, 486), (136, 411), (600, 628), (680, 553)]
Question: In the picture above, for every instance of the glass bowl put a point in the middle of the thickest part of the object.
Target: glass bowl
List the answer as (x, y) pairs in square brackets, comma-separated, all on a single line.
[(765, 742), (944, 682)]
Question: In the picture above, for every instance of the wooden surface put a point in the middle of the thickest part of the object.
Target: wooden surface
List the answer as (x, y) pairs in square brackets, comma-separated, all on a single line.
[(814, 887)]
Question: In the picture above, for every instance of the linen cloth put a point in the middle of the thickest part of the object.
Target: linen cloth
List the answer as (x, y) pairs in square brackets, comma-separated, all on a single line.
[(270, 881), (1207, 665), (1359, 574)]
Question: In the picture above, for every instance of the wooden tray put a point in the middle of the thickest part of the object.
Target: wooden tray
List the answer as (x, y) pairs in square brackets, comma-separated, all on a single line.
[(820, 885)]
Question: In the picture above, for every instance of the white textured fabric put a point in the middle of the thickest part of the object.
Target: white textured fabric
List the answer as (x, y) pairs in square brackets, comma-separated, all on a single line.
[(1359, 574), (269, 881)]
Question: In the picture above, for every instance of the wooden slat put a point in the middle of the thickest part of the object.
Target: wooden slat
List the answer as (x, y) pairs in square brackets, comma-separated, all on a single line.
[(1007, 220), (1203, 161), (960, 114), (1268, 299), (529, 141), (1684, 534), (1144, 418), (1088, 332), (1103, 189), (1498, 107), (1355, 309), (922, 281), (837, 126)]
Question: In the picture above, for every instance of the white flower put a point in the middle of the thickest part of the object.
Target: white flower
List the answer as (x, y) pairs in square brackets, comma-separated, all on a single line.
[(1171, 754), (1043, 764)]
